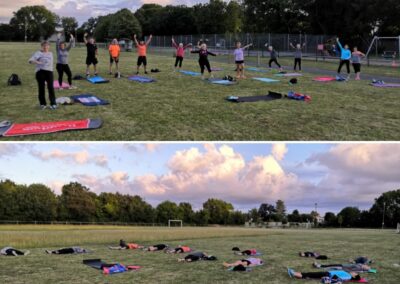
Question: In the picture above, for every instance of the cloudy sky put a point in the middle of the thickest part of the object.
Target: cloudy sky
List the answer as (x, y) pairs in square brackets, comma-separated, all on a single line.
[(334, 176), (83, 9)]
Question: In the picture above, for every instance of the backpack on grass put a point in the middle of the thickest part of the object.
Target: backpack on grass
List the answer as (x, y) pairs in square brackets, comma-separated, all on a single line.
[(14, 80)]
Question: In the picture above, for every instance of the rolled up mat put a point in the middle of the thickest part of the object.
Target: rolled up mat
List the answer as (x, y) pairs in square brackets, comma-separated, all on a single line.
[(266, 80), (270, 97), (324, 79), (386, 85)]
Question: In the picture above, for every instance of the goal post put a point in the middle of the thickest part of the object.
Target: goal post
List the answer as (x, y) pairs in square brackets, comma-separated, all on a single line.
[(175, 221)]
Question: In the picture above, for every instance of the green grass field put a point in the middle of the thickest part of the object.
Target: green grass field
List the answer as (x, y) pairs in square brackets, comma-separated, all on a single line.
[(279, 247), (178, 107)]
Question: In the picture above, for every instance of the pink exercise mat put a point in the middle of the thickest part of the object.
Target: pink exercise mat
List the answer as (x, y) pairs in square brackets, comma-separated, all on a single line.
[(324, 79), (57, 85)]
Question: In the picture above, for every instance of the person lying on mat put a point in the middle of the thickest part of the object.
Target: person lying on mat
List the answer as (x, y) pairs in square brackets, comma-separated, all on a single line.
[(197, 256), (316, 255), (332, 274), (361, 260), (237, 251), (179, 249), (125, 245), (157, 247), (10, 251), (248, 262), (141, 47), (72, 250), (355, 267)]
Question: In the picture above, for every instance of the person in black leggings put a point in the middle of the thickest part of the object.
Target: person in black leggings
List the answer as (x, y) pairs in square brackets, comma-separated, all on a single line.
[(157, 247), (10, 251), (71, 250), (197, 256), (203, 59)]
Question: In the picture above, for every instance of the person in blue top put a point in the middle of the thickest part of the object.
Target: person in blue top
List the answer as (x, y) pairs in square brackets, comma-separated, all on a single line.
[(331, 274), (345, 56)]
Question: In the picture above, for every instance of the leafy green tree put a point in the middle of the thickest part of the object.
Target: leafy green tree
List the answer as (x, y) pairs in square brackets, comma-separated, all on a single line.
[(211, 18), (201, 217), (147, 16), (294, 217), (351, 216), (235, 17), (218, 210), (140, 211), (123, 25), (267, 212), (8, 206), (253, 215), (6, 32), (186, 212), (36, 20), (391, 202), (77, 203), (167, 210), (330, 219), (69, 24)]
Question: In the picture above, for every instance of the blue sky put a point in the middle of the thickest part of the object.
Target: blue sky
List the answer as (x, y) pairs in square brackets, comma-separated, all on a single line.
[(333, 175), (84, 9)]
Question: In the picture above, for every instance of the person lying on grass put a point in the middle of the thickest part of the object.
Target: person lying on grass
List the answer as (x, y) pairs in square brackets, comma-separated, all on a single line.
[(10, 251), (332, 275), (248, 262), (361, 260), (237, 251), (197, 256), (316, 255), (179, 249), (156, 247), (350, 267), (125, 245), (72, 250)]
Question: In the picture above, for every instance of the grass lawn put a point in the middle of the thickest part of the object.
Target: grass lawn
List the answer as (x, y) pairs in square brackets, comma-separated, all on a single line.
[(178, 107), (279, 247)]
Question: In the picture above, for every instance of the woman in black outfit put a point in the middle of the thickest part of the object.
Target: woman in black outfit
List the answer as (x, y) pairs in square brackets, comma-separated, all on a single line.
[(203, 59)]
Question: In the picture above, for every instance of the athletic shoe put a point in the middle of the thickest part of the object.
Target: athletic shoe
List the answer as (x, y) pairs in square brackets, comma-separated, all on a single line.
[(316, 264), (72, 87), (146, 72), (27, 252), (48, 251), (53, 107), (43, 107), (290, 272)]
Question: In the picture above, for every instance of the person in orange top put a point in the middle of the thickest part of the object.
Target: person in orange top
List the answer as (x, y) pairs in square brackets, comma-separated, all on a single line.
[(141, 47), (115, 51)]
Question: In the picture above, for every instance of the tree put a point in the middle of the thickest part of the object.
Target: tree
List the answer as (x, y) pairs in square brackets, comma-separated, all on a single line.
[(69, 24), (236, 218), (234, 21), (147, 16), (218, 211), (340, 220), (211, 18), (8, 206), (280, 211), (36, 20), (77, 203), (350, 216), (391, 201), (123, 25), (201, 217), (330, 219), (253, 216), (6, 32), (294, 217), (140, 211), (186, 212), (167, 210), (266, 212)]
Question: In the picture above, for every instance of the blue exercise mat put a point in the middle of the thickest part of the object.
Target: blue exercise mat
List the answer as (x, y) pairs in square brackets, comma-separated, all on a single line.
[(190, 73), (266, 80), (222, 82), (255, 69), (141, 79), (89, 100), (97, 80)]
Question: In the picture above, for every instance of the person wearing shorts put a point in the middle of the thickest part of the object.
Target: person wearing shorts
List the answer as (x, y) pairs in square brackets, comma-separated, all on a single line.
[(114, 51), (239, 59), (141, 47), (91, 57)]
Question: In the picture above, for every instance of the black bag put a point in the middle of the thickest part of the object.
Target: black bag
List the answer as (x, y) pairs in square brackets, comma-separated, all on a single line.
[(14, 80)]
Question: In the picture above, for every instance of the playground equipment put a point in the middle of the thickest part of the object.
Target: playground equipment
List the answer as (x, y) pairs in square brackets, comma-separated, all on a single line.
[(384, 48)]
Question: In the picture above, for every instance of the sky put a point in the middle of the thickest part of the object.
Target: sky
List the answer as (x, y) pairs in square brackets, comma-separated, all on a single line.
[(332, 175), (84, 9)]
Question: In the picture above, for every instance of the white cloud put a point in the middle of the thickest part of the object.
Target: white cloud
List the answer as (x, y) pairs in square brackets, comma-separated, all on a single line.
[(279, 151)]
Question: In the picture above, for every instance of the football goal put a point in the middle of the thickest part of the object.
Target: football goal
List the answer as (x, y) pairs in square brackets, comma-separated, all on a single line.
[(384, 48), (175, 223)]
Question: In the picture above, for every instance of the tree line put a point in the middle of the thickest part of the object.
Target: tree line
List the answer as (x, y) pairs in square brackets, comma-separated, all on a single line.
[(37, 202), (356, 21)]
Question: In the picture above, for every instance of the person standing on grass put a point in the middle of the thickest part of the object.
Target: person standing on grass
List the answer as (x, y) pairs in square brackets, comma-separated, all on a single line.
[(91, 57), (180, 53), (239, 59), (141, 47), (43, 59), (345, 56), (114, 51), (273, 57), (62, 60), (203, 59), (298, 55), (356, 60), (10, 251)]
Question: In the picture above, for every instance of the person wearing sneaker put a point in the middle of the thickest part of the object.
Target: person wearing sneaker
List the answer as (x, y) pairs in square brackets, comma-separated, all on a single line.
[(91, 57), (332, 274), (43, 60), (114, 51), (203, 58), (62, 60), (9, 251), (355, 267), (141, 47)]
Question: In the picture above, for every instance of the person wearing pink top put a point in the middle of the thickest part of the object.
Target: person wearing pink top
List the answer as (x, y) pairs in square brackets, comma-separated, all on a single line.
[(239, 59), (180, 53)]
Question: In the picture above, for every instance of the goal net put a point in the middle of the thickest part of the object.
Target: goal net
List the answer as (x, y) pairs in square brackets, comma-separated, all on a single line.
[(175, 223)]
